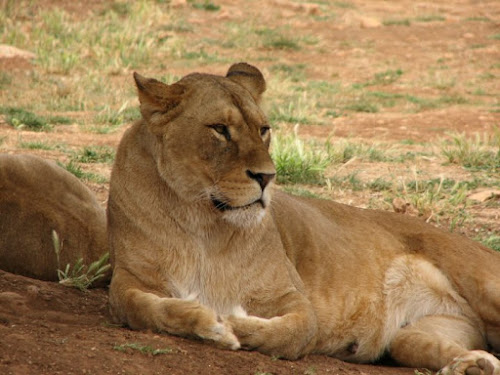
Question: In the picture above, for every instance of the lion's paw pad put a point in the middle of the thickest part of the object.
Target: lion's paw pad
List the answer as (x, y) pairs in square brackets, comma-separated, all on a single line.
[(476, 362)]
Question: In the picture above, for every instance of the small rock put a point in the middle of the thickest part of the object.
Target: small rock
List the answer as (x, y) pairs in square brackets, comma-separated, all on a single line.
[(400, 205), (369, 22), (7, 52), (484, 195), (33, 290)]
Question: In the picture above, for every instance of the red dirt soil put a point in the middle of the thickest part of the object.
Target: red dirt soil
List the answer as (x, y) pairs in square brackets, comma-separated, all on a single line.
[(47, 328)]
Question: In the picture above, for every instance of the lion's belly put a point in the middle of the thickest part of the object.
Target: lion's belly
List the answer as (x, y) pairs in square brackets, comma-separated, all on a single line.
[(351, 321), (360, 312)]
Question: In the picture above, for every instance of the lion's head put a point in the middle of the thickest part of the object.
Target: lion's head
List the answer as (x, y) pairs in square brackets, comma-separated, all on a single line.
[(212, 140)]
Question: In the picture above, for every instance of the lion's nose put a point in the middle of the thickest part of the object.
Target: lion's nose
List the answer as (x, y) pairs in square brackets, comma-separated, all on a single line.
[(262, 178)]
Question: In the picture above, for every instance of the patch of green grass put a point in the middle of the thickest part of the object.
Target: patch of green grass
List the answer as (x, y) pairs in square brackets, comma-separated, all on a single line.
[(342, 151), (487, 76), (202, 56), (59, 120), (95, 154), (494, 36), (23, 119), (385, 99), (282, 42), (386, 77), (179, 25), (115, 118), (323, 87), (78, 172), (143, 349), (294, 110), (480, 92), (344, 4), (430, 18), (296, 72), (493, 242), (277, 39), (297, 160), (37, 145), (120, 8), (301, 192), (474, 152), (205, 5), (79, 275), (397, 22), (420, 103), (478, 19), (350, 181), (362, 106), (438, 199), (380, 184), (407, 142), (5, 79)]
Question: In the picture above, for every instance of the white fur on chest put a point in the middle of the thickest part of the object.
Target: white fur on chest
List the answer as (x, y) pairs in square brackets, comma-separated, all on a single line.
[(212, 283)]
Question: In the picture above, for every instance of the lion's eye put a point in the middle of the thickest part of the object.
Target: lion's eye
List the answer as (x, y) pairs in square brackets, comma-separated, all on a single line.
[(222, 130), (264, 130)]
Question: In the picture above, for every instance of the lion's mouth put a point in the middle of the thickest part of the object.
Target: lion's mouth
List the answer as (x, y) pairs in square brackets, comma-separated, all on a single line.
[(224, 206)]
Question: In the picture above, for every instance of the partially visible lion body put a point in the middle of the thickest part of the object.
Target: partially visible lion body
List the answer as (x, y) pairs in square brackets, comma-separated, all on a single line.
[(37, 198), (201, 246)]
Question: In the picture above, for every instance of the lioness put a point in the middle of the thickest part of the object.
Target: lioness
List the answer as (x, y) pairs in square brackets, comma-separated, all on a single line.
[(39, 199), (203, 246)]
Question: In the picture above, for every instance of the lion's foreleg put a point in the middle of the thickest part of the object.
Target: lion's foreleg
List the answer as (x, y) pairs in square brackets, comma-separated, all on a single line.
[(130, 303), (289, 335)]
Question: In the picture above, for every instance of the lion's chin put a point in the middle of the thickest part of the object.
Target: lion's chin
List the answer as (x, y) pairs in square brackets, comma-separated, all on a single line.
[(244, 216), (249, 216)]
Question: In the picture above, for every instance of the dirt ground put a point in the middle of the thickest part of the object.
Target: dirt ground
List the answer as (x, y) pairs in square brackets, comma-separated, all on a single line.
[(46, 328)]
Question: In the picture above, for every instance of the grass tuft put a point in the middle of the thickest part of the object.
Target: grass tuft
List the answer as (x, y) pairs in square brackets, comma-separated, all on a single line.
[(397, 22), (78, 172), (479, 152), (298, 161), (22, 119), (206, 5), (95, 154), (493, 242), (80, 276)]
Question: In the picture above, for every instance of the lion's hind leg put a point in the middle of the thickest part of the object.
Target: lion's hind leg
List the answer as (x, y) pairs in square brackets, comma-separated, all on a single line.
[(428, 324), (444, 342)]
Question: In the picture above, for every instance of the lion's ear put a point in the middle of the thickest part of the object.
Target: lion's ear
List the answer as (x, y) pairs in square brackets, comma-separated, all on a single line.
[(159, 101), (249, 77)]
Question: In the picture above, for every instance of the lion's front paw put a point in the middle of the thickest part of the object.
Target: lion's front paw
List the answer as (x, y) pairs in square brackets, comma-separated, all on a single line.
[(221, 335), (475, 362)]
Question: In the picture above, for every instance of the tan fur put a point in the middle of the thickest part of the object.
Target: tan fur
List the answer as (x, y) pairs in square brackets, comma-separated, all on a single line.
[(202, 246), (36, 198)]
